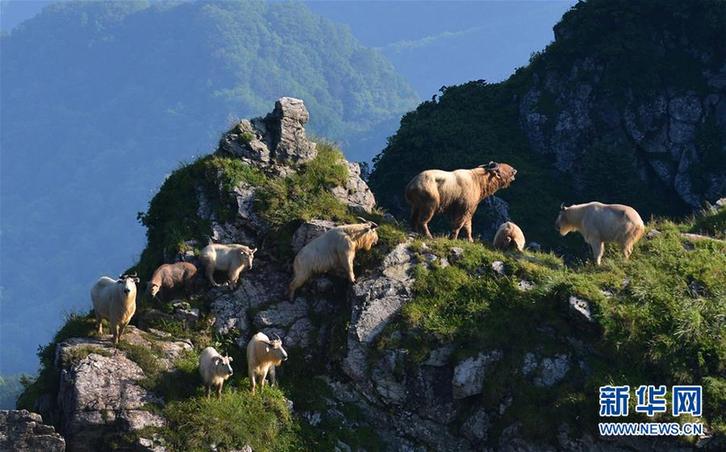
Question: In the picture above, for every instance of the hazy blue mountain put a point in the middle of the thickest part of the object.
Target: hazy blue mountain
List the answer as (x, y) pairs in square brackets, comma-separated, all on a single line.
[(450, 42), (101, 99)]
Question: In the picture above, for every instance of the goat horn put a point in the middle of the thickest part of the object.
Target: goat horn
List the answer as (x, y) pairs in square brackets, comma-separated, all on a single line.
[(372, 223)]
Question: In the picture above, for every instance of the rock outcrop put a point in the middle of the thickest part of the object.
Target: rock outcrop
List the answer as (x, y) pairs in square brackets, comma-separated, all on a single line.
[(277, 144), (278, 138), (23, 431), (662, 131), (101, 394)]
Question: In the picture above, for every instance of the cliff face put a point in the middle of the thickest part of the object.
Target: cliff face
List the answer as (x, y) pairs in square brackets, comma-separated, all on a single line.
[(656, 106), (437, 345)]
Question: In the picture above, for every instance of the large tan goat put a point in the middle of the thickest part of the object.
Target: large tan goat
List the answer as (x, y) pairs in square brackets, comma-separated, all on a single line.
[(455, 193), (335, 249)]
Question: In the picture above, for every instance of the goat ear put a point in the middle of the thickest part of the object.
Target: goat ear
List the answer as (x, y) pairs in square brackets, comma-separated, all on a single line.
[(137, 280), (562, 206), (229, 358), (254, 250), (217, 360)]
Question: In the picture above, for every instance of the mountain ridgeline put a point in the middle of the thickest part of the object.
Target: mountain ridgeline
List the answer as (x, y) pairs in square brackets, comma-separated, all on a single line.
[(100, 100), (437, 345), (627, 105)]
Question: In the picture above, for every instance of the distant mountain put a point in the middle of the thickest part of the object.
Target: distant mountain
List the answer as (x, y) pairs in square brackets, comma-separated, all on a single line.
[(448, 43), (99, 99), (628, 105)]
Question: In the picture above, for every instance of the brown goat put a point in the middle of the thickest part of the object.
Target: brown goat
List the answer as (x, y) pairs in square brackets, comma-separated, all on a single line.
[(455, 193), (170, 277)]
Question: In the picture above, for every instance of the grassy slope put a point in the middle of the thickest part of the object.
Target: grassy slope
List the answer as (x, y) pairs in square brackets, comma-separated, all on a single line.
[(663, 323)]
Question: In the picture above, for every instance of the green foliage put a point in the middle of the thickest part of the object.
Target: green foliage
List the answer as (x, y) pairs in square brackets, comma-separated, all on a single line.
[(182, 382), (247, 136), (236, 419), (314, 395), (659, 317), (146, 357), (74, 355), (172, 218), (711, 223), (306, 194), (642, 42)]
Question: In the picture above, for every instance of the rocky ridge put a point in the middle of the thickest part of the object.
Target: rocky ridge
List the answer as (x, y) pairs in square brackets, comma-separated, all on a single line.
[(433, 402)]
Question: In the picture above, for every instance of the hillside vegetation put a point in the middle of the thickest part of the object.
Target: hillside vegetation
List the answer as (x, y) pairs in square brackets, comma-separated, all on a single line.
[(658, 317), (626, 105)]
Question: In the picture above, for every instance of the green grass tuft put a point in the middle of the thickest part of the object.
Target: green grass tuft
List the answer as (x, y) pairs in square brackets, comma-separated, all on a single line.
[(146, 357), (306, 194), (237, 419)]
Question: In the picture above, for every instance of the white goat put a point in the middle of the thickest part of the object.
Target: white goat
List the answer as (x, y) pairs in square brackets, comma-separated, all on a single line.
[(115, 301), (263, 355), (215, 369)]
